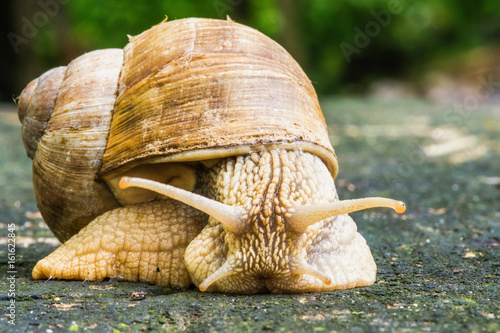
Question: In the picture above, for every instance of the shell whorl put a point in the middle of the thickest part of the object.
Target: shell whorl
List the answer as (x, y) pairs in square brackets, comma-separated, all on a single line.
[(36, 104), (195, 89), (67, 150)]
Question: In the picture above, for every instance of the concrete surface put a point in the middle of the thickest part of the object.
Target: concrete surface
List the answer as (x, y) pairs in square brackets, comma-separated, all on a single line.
[(438, 264)]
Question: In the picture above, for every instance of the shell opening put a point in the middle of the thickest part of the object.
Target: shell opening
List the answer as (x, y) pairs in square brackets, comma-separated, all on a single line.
[(231, 217), (304, 216)]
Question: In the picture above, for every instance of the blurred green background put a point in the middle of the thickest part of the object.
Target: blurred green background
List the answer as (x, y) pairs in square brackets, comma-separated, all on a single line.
[(346, 47)]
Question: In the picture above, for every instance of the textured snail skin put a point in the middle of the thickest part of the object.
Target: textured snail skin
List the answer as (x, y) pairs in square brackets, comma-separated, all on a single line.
[(268, 185), (147, 242), (131, 243)]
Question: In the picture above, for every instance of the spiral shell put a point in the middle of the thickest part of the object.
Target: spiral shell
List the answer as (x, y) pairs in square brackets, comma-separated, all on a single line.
[(210, 88), (65, 131), (36, 104), (186, 90)]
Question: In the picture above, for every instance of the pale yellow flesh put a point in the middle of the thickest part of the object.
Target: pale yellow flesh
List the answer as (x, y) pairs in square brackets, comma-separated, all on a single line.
[(138, 243), (270, 255), (162, 242)]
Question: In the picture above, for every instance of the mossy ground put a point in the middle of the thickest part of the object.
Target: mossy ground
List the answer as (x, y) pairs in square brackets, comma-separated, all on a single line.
[(438, 264)]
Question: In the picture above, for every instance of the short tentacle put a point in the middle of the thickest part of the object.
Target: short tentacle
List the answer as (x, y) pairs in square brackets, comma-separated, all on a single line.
[(301, 267), (229, 268)]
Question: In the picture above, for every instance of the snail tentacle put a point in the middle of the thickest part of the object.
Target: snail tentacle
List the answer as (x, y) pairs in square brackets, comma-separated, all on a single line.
[(301, 267), (229, 268), (231, 217), (304, 216)]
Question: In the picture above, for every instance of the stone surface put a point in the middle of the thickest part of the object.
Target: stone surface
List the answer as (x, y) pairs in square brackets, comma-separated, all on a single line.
[(438, 264)]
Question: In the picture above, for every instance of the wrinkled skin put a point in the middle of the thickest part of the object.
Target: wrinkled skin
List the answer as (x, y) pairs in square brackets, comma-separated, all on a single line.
[(169, 243)]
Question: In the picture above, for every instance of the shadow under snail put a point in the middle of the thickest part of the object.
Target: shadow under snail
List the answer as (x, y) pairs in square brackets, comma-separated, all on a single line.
[(198, 154)]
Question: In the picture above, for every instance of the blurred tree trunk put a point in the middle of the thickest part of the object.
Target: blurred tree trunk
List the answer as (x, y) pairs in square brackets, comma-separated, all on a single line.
[(7, 54), (23, 44), (44, 39), (291, 38)]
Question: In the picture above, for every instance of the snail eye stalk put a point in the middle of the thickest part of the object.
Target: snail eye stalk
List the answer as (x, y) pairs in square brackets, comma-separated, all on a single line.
[(231, 217), (307, 215)]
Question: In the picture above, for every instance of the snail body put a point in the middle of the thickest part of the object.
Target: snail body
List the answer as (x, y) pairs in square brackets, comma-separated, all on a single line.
[(197, 154)]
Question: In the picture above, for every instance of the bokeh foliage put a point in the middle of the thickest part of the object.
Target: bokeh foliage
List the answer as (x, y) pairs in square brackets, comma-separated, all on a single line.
[(423, 35)]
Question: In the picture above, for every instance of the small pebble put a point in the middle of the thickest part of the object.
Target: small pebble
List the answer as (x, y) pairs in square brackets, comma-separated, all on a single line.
[(138, 295)]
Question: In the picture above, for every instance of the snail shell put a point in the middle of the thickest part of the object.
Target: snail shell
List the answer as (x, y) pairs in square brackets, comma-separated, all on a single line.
[(186, 90), (65, 125), (207, 116)]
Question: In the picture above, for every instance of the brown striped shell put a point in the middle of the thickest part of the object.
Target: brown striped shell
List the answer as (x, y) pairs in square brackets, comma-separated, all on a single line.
[(186, 90)]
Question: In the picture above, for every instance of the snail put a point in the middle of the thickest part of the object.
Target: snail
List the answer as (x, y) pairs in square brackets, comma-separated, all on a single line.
[(199, 155)]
